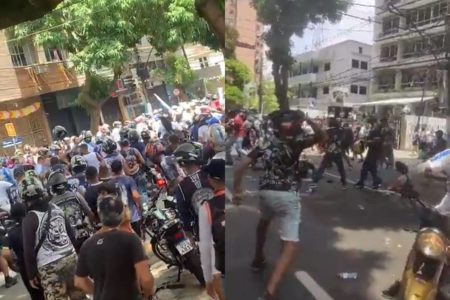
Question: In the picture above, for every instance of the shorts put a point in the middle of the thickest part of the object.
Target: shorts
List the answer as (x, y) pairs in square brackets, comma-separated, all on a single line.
[(285, 206)]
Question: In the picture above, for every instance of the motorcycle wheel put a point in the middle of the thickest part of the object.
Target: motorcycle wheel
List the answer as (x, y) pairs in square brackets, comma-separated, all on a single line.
[(193, 264), (160, 253)]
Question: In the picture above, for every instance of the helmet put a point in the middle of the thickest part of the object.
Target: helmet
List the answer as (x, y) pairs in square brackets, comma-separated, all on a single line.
[(31, 188), (27, 148), (187, 153), (117, 124), (18, 153), (87, 137), (43, 151), (217, 136), (109, 146), (123, 133), (57, 182), (59, 132), (133, 135), (145, 135), (78, 163), (55, 147)]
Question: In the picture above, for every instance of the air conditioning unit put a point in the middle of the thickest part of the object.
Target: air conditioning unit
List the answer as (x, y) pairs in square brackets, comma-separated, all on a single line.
[(40, 69)]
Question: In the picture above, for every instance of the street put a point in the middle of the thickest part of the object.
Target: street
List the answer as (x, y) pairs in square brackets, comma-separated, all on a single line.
[(358, 231)]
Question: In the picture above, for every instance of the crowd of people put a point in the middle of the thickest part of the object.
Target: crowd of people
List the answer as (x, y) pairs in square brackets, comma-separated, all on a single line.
[(73, 210)]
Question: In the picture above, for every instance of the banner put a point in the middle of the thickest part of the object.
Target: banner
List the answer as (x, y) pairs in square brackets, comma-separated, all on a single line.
[(14, 114)]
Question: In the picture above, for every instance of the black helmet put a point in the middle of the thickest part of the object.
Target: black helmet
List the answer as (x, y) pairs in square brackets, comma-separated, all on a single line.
[(31, 188), (133, 136), (78, 163), (109, 146), (57, 182), (187, 153), (59, 132), (123, 133)]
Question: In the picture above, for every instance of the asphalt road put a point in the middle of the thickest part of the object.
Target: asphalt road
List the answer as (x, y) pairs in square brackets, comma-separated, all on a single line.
[(358, 231)]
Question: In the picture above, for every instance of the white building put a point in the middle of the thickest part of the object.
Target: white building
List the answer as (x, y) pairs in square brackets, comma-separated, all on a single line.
[(407, 48), (337, 75)]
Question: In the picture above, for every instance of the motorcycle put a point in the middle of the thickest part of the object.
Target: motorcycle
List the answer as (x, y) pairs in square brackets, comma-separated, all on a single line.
[(169, 241), (426, 274)]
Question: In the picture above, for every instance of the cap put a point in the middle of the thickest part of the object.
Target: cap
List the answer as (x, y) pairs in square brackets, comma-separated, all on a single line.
[(19, 171), (216, 169)]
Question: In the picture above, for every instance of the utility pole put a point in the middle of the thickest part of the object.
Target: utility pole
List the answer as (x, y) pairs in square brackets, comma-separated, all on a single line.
[(446, 73), (260, 87)]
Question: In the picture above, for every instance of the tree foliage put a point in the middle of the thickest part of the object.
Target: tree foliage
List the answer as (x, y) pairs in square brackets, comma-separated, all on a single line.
[(235, 97), (99, 34), (236, 73), (230, 42), (286, 18), (178, 72)]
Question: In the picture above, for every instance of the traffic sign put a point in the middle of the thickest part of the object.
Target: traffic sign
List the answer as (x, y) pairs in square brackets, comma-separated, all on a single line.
[(10, 130), (8, 143)]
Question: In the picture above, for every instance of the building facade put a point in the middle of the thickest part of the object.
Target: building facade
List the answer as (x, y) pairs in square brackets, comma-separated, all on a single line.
[(241, 15), (409, 44), (334, 76)]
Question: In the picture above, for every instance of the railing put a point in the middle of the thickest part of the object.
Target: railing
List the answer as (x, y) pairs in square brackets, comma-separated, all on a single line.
[(389, 32), (386, 87), (388, 58)]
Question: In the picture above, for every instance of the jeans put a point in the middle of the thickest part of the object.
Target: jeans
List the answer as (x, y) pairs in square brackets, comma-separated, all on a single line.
[(369, 165), (328, 158), (238, 144), (228, 147)]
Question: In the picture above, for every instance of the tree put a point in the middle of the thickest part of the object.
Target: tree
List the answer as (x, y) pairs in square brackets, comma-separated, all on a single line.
[(236, 73), (213, 11), (230, 43), (270, 102), (99, 34), (286, 18), (235, 97)]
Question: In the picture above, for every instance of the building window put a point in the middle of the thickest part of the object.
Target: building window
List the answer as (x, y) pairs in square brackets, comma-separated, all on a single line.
[(364, 65), (388, 53), (390, 25), (326, 90), (386, 81), (416, 48), (354, 89), (327, 67), (17, 53), (203, 62), (53, 54), (355, 63), (363, 90), (426, 15), (360, 50), (315, 69)]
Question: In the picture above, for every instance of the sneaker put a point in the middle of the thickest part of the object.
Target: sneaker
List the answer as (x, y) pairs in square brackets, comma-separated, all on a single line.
[(392, 291), (359, 185), (258, 265), (376, 186), (267, 296), (10, 281)]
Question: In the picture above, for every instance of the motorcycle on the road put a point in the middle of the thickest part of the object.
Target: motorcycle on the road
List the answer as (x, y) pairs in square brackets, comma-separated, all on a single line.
[(426, 275), (169, 241)]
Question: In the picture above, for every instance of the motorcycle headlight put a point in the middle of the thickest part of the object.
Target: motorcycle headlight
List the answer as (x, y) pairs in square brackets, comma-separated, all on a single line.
[(431, 243)]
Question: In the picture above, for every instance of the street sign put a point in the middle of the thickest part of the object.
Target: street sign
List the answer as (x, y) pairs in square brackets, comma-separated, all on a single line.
[(10, 130), (8, 143)]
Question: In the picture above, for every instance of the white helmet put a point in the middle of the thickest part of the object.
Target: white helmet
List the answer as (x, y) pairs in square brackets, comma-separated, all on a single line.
[(218, 137)]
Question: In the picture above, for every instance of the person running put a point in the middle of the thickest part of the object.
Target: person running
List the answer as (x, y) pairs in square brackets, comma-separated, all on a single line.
[(334, 153), (196, 180), (15, 240), (374, 143), (211, 218), (277, 199), (112, 263), (49, 254)]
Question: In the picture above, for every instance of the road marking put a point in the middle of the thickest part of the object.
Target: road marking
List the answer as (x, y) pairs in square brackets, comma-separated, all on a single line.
[(312, 286)]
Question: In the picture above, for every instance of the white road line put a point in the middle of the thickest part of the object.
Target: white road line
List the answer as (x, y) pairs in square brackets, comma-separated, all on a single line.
[(312, 286)]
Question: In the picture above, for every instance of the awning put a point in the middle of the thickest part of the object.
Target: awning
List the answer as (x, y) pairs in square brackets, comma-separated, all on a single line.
[(396, 101)]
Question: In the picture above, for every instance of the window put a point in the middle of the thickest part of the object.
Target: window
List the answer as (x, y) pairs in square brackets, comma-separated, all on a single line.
[(327, 67), (354, 89), (17, 55), (390, 25), (315, 69), (203, 62), (426, 15), (363, 90), (388, 53), (416, 48), (364, 65), (304, 69), (355, 63), (360, 50), (386, 81), (326, 90), (53, 54)]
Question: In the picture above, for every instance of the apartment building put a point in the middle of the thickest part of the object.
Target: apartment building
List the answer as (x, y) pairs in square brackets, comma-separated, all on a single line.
[(331, 77), (241, 15), (406, 52), (37, 91)]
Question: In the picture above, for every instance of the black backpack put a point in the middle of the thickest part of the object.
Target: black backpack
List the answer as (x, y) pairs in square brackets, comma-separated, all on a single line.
[(217, 207)]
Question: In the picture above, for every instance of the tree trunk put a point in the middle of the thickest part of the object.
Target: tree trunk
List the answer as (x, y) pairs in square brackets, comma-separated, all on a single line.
[(211, 11), (280, 76)]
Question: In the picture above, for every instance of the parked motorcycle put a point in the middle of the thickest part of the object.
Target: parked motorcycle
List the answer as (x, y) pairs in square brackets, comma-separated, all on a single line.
[(426, 275), (169, 241)]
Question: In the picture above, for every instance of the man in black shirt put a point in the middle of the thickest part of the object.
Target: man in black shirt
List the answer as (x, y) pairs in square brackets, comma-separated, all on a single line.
[(114, 259), (374, 143), (92, 190)]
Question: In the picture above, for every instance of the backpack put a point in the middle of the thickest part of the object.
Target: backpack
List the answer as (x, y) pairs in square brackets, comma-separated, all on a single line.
[(287, 125), (13, 194), (217, 209)]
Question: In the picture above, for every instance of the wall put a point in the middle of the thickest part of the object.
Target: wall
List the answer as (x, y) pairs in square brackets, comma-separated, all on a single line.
[(409, 125)]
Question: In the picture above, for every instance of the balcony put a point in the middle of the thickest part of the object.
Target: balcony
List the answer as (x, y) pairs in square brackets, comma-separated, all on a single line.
[(303, 79)]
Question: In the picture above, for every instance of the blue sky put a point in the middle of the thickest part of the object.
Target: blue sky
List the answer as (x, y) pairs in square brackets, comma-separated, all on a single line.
[(347, 28)]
